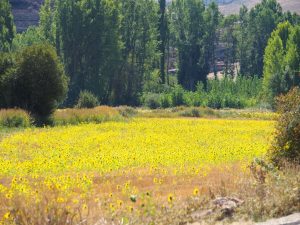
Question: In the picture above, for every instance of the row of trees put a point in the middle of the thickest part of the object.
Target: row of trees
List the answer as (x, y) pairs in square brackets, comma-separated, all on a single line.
[(117, 49), (282, 61)]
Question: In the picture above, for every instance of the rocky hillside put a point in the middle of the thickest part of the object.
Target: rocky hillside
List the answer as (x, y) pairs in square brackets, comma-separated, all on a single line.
[(234, 6), (26, 13)]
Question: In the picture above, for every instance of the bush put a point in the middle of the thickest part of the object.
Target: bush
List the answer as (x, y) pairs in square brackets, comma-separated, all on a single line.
[(215, 101), (177, 96), (41, 84), (286, 146), (14, 118), (166, 101), (152, 100), (87, 100), (127, 111), (193, 112)]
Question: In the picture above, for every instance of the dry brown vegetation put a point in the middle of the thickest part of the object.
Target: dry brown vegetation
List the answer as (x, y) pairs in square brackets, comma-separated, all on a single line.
[(95, 115), (264, 193)]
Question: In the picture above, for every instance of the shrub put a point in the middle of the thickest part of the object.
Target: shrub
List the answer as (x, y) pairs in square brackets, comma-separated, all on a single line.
[(14, 118), (41, 84), (177, 96), (127, 111), (166, 101), (286, 146), (152, 100), (191, 112), (215, 101), (87, 100)]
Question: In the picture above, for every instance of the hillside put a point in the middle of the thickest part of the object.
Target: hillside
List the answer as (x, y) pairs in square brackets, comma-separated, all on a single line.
[(234, 6), (26, 13)]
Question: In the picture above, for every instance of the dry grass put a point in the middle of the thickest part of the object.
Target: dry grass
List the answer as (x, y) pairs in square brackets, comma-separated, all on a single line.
[(200, 112), (14, 118), (111, 203), (95, 115)]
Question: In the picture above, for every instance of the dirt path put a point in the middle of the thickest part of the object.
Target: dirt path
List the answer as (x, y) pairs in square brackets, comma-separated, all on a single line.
[(293, 219)]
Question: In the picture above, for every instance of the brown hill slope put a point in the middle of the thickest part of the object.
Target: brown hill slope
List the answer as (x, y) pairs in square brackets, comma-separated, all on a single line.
[(26, 13), (232, 8)]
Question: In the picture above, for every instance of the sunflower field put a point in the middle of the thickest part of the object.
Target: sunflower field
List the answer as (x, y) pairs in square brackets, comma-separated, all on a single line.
[(65, 173)]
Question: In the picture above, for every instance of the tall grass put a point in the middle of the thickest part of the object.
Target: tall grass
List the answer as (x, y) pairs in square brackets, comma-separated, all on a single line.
[(14, 118), (95, 115)]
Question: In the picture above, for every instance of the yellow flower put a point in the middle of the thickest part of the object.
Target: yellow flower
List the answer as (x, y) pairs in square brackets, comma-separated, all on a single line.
[(60, 200), (8, 195), (6, 216), (120, 203), (112, 207), (130, 208), (196, 192), (170, 198), (84, 207)]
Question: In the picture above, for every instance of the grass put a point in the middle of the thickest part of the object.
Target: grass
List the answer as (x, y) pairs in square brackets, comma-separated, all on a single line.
[(14, 118), (97, 115), (200, 112)]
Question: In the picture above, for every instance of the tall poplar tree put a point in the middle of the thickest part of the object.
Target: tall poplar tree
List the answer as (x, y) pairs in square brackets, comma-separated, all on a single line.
[(7, 27), (163, 26), (90, 45), (212, 20), (139, 55), (188, 29), (281, 69)]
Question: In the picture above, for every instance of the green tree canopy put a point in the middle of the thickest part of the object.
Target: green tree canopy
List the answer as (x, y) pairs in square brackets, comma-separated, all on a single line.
[(188, 30), (281, 61), (40, 83), (7, 28)]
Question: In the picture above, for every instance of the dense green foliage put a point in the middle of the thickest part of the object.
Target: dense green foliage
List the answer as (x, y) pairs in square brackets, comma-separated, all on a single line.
[(7, 63), (286, 144), (108, 47), (87, 100), (40, 82), (260, 22), (282, 61), (163, 38), (226, 93), (122, 52), (189, 34), (29, 37), (7, 28)]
